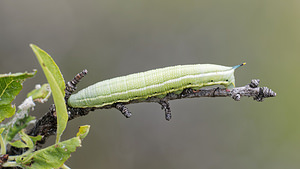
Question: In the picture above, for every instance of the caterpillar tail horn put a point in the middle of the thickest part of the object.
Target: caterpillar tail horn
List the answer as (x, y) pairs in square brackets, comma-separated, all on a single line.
[(237, 66)]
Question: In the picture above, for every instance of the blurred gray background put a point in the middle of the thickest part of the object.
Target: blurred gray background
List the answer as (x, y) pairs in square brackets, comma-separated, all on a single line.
[(111, 38)]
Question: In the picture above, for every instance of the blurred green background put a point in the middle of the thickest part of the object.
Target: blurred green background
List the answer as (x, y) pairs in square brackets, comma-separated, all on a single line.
[(117, 37)]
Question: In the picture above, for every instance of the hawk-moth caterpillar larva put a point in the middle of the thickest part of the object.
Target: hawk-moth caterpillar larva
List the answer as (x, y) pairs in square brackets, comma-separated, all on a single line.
[(157, 82)]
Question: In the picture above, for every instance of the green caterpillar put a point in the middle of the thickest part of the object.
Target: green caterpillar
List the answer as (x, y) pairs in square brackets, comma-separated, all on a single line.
[(158, 82)]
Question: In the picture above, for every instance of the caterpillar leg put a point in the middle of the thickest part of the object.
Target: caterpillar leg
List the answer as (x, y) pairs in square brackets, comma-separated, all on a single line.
[(166, 107), (124, 110)]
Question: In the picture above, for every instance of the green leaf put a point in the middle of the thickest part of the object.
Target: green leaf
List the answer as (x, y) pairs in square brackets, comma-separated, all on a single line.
[(48, 63), (41, 93), (10, 86), (6, 111), (83, 131), (36, 138), (27, 142), (51, 157), (57, 85), (18, 144), (26, 139)]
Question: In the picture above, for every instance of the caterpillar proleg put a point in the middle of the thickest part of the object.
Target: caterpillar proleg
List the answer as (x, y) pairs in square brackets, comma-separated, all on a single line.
[(157, 82)]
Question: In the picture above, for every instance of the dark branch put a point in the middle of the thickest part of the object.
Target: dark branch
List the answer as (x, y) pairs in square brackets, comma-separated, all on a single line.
[(165, 105), (124, 110), (250, 90), (46, 126), (71, 85)]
